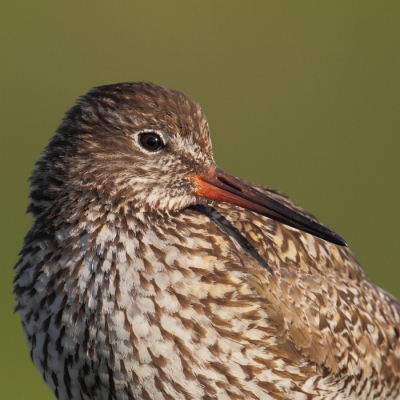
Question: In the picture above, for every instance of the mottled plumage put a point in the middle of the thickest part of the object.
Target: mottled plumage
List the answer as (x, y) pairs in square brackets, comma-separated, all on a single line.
[(133, 285)]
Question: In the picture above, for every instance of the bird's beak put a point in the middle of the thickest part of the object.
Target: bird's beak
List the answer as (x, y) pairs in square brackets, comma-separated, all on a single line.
[(215, 184)]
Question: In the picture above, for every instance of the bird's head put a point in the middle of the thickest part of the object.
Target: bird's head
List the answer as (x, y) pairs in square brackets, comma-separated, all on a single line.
[(147, 148)]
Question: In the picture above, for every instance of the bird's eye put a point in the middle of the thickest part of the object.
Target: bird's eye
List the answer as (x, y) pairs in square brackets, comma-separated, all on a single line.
[(151, 141)]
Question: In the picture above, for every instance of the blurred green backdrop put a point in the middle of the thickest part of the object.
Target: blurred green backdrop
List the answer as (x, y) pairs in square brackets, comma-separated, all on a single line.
[(300, 96)]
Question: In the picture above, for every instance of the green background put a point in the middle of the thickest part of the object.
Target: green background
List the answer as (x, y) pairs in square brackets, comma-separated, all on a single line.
[(301, 96)]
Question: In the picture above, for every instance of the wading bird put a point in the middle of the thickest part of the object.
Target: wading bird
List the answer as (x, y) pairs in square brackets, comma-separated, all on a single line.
[(149, 273)]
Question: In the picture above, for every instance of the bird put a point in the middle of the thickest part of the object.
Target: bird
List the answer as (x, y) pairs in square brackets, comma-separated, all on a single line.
[(150, 273)]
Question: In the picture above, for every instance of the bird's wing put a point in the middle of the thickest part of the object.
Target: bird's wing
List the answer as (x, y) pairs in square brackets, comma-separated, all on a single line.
[(319, 302)]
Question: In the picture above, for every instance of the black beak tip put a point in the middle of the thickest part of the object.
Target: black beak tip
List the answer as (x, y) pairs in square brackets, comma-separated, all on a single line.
[(339, 240)]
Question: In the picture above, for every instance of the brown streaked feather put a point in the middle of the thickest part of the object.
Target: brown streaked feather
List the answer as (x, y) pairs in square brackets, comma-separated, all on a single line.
[(323, 303)]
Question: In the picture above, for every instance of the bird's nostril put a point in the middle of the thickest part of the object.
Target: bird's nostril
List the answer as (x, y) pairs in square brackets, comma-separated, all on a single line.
[(227, 183)]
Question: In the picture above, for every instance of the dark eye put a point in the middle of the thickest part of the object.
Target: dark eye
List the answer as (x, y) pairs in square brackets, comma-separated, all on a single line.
[(151, 141)]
